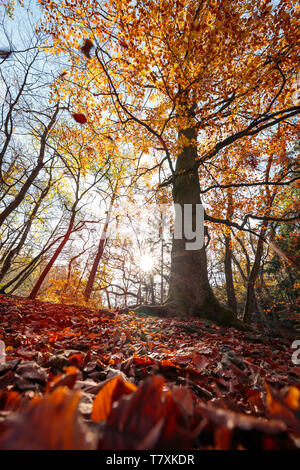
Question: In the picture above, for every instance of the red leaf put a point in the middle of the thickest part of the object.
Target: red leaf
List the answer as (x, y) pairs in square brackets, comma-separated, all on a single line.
[(222, 417), (68, 379), (10, 401), (200, 361), (86, 48), (148, 418), (79, 117)]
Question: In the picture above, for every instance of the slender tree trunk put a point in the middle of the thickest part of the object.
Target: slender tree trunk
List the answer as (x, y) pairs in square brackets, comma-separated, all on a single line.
[(25, 272), (56, 254), (152, 290), (251, 313), (97, 259), (25, 276), (33, 174), (162, 271), (139, 294), (93, 272), (16, 250), (8, 127), (231, 298), (108, 300), (21, 195)]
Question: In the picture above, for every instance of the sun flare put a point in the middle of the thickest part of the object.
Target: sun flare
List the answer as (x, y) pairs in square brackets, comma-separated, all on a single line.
[(146, 263)]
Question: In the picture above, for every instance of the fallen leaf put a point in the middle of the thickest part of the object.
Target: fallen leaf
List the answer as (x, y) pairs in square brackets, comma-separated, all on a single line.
[(111, 391), (51, 422)]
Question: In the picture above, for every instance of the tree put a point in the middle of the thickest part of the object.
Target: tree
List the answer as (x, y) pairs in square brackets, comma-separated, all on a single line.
[(103, 237), (231, 298), (72, 153), (189, 78), (19, 242)]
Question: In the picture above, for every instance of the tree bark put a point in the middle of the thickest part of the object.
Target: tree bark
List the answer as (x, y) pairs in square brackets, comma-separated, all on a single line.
[(231, 298), (190, 292), (97, 259), (33, 174), (57, 252), (189, 287), (251, 313), (16, 250)]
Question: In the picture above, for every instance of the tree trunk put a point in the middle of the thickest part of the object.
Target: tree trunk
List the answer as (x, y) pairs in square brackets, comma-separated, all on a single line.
[(56, 254), (251, 313), (189, 289), (97, 259), (16, 250), (161, 260), (33, 174), (190, 292), (231, 299)]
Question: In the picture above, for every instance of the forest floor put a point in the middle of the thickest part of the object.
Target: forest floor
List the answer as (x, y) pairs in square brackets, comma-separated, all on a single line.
[(75, 378)]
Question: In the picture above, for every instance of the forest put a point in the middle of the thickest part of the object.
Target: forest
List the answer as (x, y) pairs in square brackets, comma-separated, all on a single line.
[(149, 225)]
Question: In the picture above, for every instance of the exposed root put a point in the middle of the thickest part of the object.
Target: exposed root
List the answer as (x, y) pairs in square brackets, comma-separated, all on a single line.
[(218, 314)]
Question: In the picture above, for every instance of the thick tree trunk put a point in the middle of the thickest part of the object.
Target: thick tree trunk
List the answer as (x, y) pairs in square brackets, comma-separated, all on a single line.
[(189, 287), (190, 292)]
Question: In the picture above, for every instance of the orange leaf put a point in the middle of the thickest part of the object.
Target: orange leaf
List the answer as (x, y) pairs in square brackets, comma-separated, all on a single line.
[(109, 393), (292, 398), (9, 400), (76, 359), (168, 363), (67, 379), (51, 422)]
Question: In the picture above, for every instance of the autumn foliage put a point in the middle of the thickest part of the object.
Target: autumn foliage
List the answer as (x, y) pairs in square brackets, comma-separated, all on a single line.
[(148, 382), (142, 103)]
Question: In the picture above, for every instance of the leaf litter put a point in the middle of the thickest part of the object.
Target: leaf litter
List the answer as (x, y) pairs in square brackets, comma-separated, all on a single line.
[(76, 378)]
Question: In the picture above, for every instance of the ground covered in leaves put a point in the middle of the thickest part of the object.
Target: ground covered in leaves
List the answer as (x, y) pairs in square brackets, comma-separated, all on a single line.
[(75, 378)]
